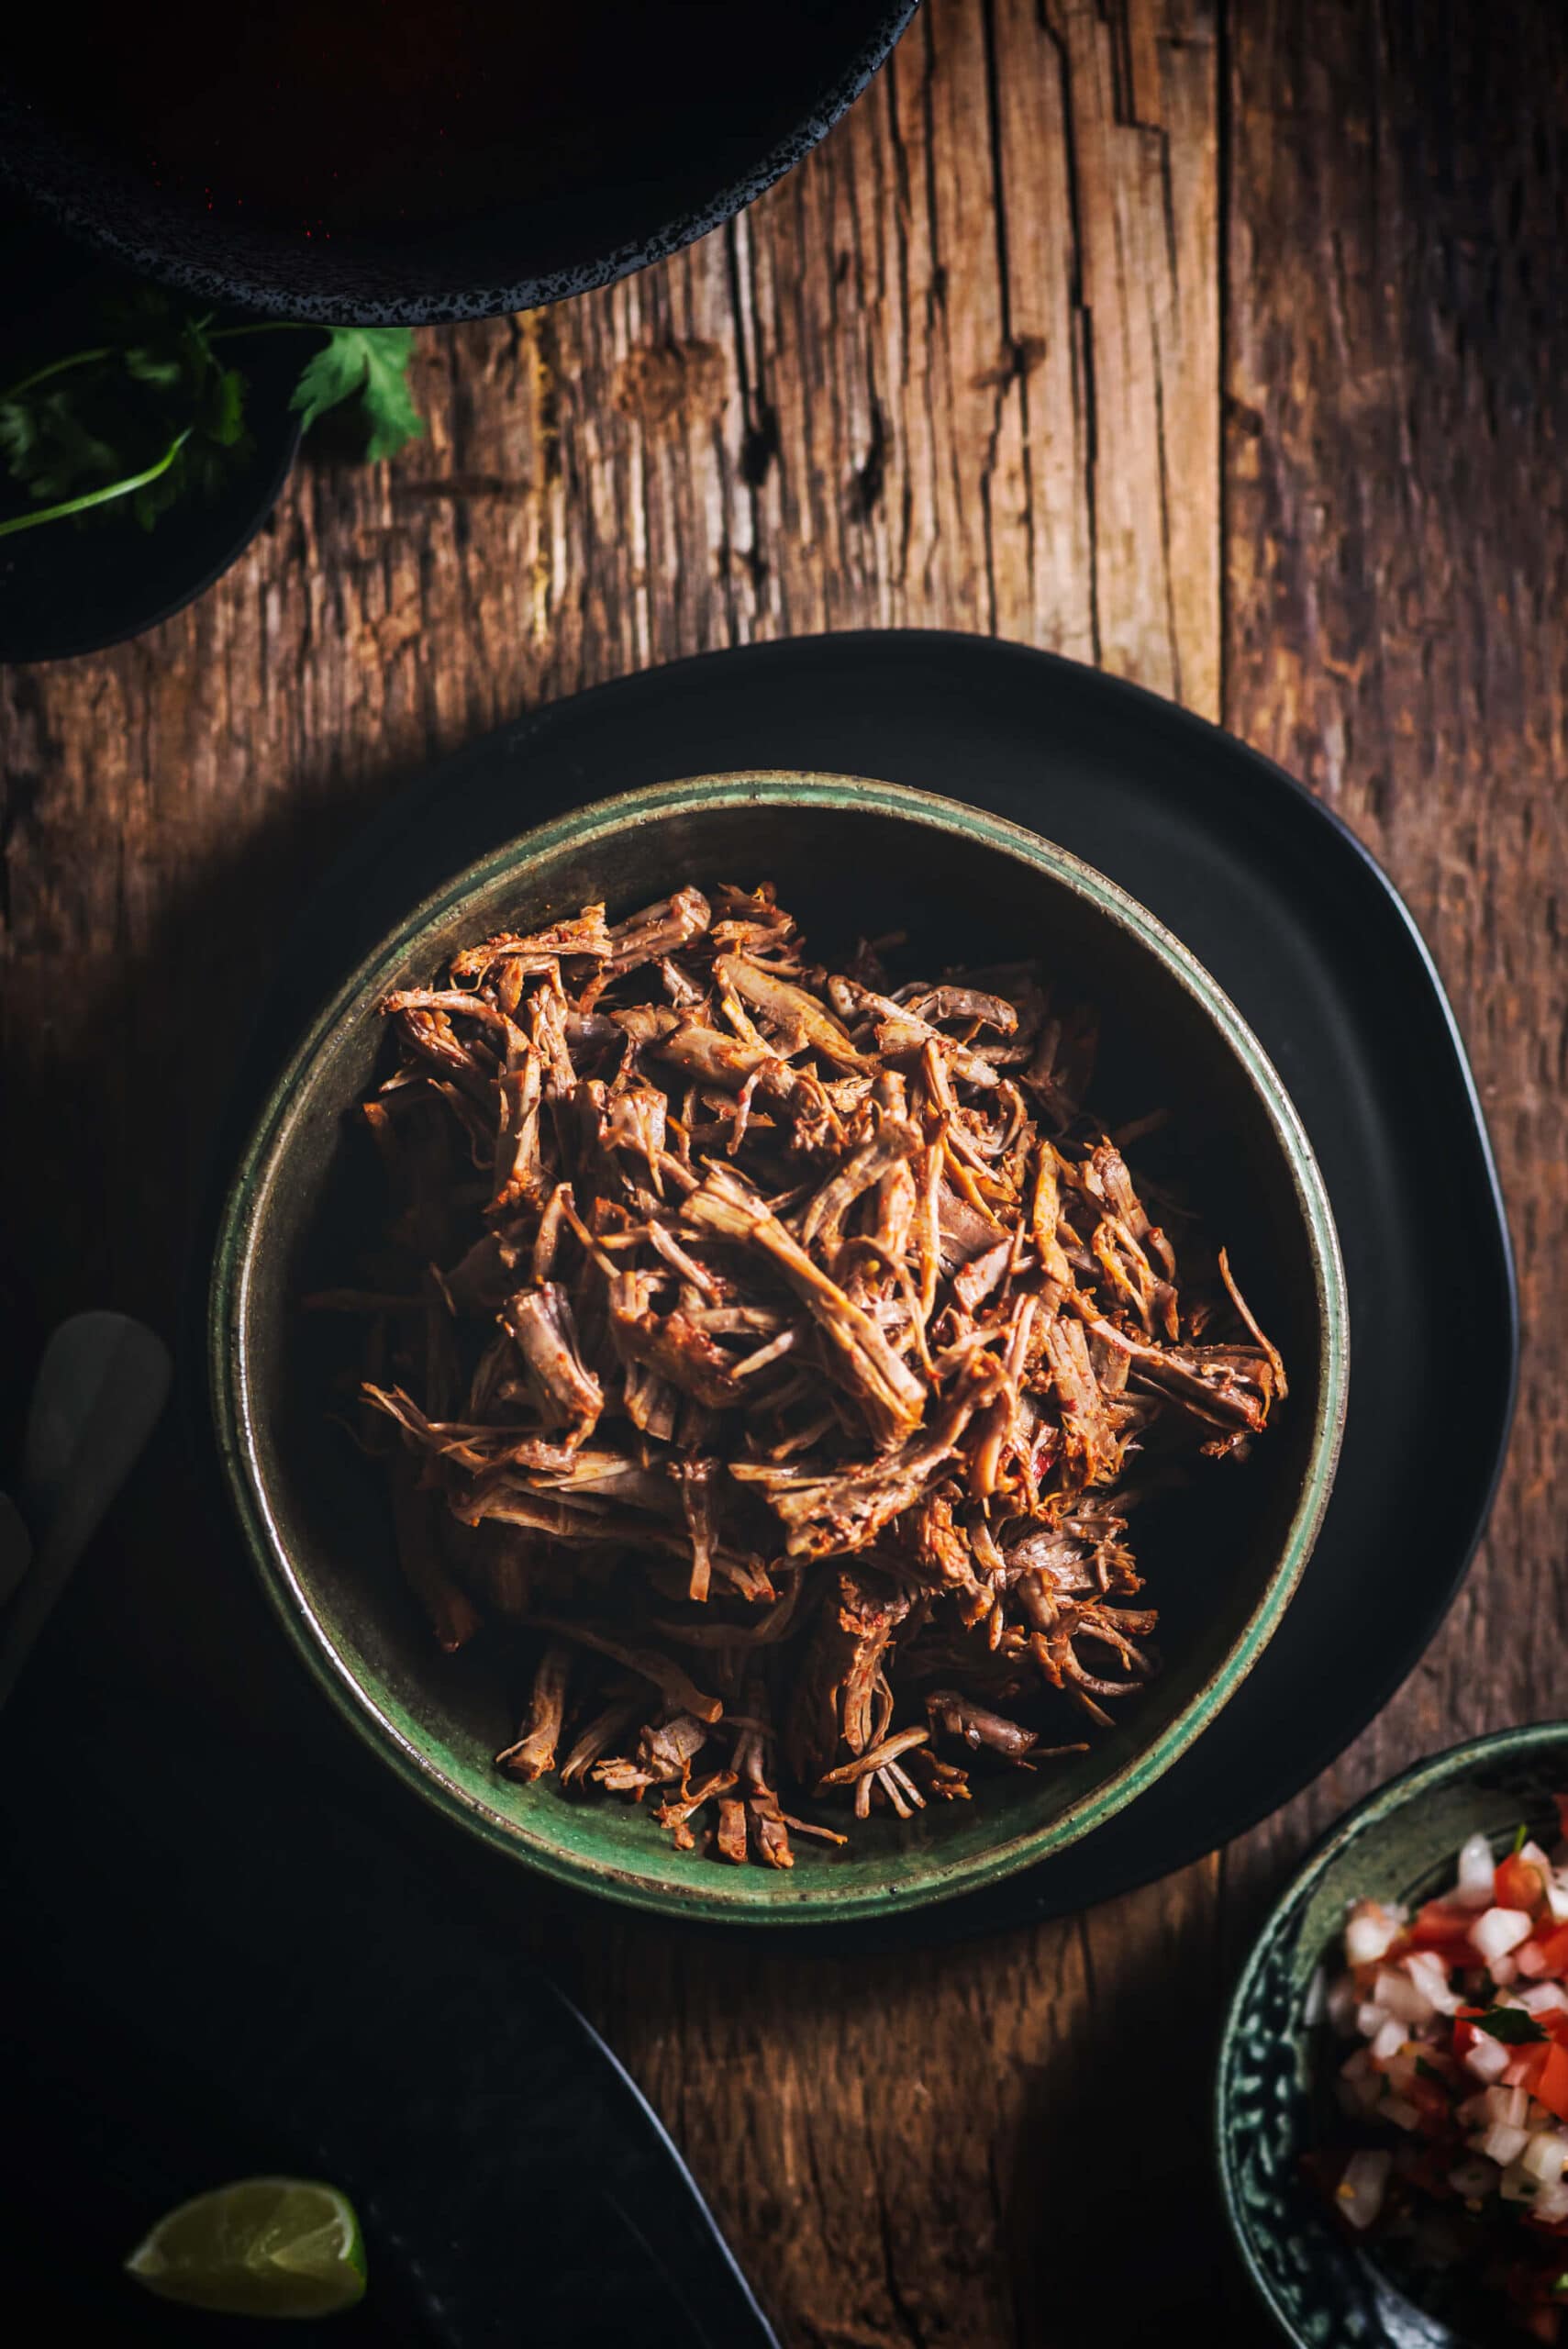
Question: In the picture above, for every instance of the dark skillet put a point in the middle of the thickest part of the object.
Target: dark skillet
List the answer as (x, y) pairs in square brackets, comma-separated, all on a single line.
[(404, 162)]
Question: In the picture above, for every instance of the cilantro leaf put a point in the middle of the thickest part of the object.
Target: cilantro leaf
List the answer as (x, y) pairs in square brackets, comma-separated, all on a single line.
[(370, 364), (1511, 2025), (151, 416), (50, 448)]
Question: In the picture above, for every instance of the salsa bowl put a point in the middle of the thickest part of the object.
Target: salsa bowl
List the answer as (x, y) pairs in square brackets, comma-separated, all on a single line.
[(1324, 2287)]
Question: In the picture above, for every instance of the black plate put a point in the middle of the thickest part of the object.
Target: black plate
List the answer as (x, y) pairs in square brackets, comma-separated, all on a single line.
[(1309, 938), (212, 1971), (663, 123)]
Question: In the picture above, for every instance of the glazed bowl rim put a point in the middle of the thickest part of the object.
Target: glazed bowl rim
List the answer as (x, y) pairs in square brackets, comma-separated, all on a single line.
[(235, 1277)]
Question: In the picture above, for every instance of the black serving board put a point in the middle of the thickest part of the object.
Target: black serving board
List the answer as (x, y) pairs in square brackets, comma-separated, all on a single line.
[(1305, 933), (213, 1965)]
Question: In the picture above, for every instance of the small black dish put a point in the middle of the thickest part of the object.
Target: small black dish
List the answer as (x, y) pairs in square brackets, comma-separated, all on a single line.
[(74, 586), (1309, 939), (305, 161)]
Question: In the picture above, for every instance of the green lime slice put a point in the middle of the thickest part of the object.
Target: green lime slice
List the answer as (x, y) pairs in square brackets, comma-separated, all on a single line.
[(263, 2246)]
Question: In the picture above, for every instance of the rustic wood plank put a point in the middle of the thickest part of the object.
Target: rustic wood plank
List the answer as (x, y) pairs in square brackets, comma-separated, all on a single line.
[(961, 369), (1397, 394), (1398, 558), (938, 377)]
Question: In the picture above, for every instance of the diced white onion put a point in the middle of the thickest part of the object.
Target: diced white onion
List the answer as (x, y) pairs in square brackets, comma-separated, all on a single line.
[(1389, 2040), (1504, 1970), (1516, 2185), (1428, 1972), (1546, 2156), (1557, 1896), (1472, 2178), (1486, 2058), (1508, 2105), (1502, 2144), (1498, 1930), (1552, 2203), (1476, 1873), (1369, 1931), (1401, 2111), (1400, 1995), (1544, 1998), (1363, 2186), (1369, 2019), (1531, 1961), (1534, 1857)]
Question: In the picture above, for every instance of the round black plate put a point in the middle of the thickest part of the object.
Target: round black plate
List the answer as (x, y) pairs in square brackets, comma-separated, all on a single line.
[(1307, 935)]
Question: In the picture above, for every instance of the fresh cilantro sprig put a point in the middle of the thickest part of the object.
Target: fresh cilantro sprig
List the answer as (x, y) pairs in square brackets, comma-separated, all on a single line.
[(154, 412), (370, 364), (1512, 2025)]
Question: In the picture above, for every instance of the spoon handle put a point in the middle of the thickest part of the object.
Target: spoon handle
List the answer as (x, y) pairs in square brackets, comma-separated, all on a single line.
[(101, 1385)]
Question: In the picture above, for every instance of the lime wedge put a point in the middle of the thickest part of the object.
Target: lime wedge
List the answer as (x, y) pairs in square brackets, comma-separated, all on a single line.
[(263, 2246)]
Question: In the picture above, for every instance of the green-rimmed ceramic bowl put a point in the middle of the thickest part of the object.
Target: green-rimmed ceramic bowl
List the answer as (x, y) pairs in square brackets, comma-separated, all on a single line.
[(851, 858), (1271, 2104)]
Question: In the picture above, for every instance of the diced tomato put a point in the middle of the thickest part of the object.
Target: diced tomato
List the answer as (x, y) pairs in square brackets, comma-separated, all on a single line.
[(1465, 2032), (1526, 2068), (1520, 1885), (1544, 2324), (1446, 1930), (1434, 2102), (1553, 1949), (1552, 2088), (1428, 2171)]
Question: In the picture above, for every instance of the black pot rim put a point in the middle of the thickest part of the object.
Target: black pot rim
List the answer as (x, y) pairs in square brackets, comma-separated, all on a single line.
[(272, 289)]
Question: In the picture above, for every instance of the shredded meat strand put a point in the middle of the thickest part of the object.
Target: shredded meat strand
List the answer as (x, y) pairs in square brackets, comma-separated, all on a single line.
[(772, 1355)]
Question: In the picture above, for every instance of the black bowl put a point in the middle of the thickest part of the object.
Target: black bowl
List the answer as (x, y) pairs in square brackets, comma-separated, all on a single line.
[(309, 161), (74, 586)]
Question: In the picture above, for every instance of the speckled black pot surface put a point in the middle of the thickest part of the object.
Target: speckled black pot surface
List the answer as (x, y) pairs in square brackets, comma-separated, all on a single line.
[(1324, 2289), (780, 78)]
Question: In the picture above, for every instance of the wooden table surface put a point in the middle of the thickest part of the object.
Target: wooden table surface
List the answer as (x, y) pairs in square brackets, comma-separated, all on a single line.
[(1224, 345)]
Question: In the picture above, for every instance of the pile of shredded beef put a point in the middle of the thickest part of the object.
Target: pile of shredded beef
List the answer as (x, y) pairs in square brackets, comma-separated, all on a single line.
[(775, 1354)]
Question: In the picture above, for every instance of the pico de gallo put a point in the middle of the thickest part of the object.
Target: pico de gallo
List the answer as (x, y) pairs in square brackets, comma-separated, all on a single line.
[(1460, 2074)]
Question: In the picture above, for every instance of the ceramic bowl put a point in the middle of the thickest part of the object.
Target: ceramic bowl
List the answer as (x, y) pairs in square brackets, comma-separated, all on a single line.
[(849, 857), (1272, 2102)]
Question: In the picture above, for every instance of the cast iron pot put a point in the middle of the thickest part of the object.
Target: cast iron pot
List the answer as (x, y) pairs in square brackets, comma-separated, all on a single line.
[(606, 155)]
